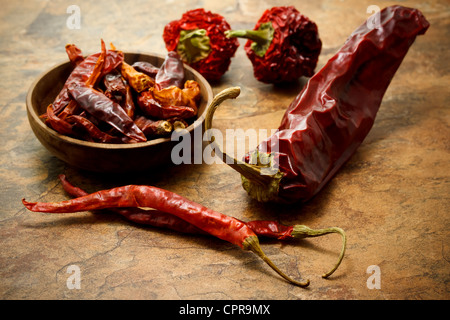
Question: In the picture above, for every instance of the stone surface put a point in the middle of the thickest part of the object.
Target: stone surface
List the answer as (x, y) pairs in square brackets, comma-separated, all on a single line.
[(392, 197)]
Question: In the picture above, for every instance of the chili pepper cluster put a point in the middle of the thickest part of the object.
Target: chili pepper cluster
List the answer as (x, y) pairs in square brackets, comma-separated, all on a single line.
[(107, 100), (283, 46)]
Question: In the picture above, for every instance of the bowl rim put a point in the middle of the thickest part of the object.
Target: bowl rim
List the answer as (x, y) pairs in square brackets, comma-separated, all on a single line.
[(193, 126)]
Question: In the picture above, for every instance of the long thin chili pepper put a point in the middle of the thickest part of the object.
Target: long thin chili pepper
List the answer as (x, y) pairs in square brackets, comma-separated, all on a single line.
[(331, 116), (217, 224), (262, 228)]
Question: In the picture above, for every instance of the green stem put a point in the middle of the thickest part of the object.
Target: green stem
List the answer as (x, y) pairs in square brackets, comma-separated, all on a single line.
[(262, 37), (252, 243), (260, 185), (193, 45), (301, 231)]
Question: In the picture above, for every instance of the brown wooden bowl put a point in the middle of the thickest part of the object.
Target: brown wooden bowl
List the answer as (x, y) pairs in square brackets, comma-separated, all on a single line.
[(103, 157)]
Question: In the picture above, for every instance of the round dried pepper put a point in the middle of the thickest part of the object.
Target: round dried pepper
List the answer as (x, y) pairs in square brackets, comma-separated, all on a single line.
[(199, 38), (283, 46)]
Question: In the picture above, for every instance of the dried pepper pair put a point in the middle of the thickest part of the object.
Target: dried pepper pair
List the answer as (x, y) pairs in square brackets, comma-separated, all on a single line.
[(161, 208), (284, 46), (107, 100)]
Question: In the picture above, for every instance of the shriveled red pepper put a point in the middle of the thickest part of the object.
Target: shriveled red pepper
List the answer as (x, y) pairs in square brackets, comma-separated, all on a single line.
[(171, 72), (135, 196), (331, 116), (199, 38), (83, 71), (75, 54), (283, 46), (262, 228), (104, 109)]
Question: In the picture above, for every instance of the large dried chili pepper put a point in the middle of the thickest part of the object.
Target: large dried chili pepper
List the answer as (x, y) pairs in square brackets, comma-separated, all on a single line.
[(199, 38), (262, 228), (331, 116), (283, 46)]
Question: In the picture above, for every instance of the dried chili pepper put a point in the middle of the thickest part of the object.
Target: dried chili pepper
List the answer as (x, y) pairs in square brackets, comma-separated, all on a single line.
[(171, 72), (135, 196), (75, 54), (92, 132), (104, 109), (283, 46), (152, 128), (151, 107), (138, 81), (199, 38), (331, 116), (83, 71), (262, 228), (146, 67)]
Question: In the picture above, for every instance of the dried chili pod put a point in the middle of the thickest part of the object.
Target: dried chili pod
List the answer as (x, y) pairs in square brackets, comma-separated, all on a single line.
[(83, 71), (283, 46), (74, 53), (137, 80), (262, 228), (153, 108), (332, 115), (104, 109), (153, 128), (199, 38), (171, 72), (212, 222), (146, 67)]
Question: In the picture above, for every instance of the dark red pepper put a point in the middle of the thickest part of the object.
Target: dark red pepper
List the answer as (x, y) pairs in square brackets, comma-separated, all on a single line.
[(331, 116), (199, 38), (283, 46), (83, 71), (104, 109)]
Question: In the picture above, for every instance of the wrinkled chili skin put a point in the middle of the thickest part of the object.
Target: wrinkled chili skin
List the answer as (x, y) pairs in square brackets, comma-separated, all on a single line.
[(332, 115), (217, 224), (104, 109), (222, 48), (295, 48), (83, 71), (155, 218)]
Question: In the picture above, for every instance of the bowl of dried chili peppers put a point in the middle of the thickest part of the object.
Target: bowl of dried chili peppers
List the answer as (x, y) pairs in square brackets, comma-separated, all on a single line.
[(115, 111)]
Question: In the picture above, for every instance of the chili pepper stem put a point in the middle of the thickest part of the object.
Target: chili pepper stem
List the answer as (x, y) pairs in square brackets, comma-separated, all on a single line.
[(262, 37), (301, 231), (260, 185), (252, 243)]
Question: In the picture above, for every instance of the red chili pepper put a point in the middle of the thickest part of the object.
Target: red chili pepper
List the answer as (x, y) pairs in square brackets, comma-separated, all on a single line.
[(283, 46), (199, 38), (104, 109), (171, 72), (331, 116), (75, 54), (262, 228), (134, 196), (83, 71), (153, 128)]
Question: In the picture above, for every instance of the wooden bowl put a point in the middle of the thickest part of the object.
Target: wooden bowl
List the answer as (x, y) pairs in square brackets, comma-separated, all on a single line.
[(103, 157)]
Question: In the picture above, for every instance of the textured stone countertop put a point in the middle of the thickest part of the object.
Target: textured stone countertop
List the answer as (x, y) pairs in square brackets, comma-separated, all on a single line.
[(392, 197)]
